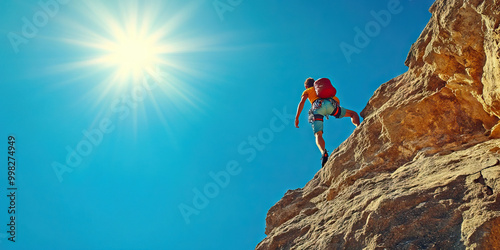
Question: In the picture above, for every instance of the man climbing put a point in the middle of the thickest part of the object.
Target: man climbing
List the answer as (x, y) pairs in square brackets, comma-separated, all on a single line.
[(321, 107)]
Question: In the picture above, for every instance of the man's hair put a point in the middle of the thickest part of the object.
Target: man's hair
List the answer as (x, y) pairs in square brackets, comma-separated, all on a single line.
[(309, 83)]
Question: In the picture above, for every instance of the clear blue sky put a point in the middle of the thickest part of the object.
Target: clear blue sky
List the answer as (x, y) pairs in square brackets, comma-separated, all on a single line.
[(223, 75)]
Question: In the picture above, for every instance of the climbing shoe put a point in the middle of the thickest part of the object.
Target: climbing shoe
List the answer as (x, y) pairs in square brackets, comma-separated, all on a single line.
[(324, 158)]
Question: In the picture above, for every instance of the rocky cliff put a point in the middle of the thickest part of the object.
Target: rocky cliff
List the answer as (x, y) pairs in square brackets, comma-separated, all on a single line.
[(423, 169)]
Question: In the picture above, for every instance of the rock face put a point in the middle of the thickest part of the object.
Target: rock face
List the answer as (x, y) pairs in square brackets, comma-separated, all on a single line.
[(423, 169)]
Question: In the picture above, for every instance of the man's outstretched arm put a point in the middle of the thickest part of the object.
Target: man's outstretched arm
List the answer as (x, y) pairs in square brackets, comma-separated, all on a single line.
[(299, 109)]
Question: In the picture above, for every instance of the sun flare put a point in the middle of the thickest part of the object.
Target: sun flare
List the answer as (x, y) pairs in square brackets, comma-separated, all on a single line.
[(132, 55), (124, 52), (132, 42)]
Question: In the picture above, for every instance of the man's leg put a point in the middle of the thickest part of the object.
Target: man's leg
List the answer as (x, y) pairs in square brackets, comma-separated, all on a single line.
[(320, 142), (354, 116)]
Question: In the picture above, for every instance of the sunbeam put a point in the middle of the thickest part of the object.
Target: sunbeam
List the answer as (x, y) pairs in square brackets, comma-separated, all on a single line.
[(125, 45)]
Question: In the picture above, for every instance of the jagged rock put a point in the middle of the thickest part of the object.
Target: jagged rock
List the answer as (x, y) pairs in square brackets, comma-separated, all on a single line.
[(422, 171)]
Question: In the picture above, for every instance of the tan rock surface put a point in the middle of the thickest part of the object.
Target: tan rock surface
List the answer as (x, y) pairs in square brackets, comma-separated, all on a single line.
[(422, 171)]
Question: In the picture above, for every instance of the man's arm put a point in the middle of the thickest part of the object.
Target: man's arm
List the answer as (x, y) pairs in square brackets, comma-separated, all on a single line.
[(299, 109)]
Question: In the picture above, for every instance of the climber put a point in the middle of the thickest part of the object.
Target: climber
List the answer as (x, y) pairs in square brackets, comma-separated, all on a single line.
[(321, 107)]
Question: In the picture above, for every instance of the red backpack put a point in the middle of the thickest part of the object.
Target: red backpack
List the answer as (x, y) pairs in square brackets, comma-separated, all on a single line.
[(324, 88)]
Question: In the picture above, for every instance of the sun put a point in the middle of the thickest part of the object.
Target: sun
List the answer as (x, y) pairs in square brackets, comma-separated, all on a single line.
[(131, 55), (124, 44), (119, 50), (127, 41)]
